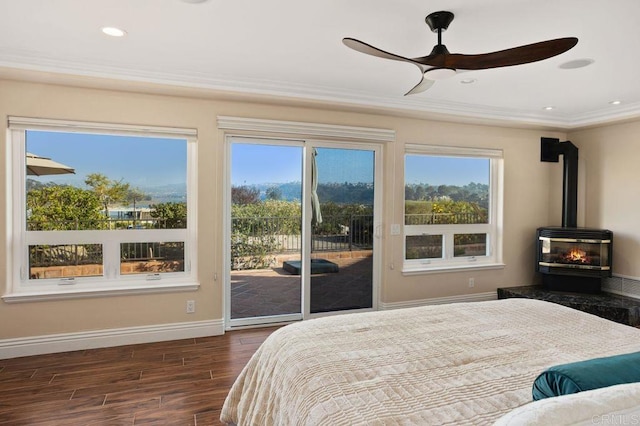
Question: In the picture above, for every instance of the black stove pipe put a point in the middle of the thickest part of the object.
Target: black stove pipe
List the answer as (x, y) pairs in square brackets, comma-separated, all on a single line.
[(550, 150)]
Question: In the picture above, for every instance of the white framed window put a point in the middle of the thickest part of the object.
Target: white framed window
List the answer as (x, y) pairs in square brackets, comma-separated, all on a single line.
[(452, 208), (99, 209)]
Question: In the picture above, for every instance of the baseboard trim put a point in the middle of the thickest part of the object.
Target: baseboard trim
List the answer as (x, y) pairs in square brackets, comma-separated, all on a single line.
[(476, 297), (38, 345), (54, 343)]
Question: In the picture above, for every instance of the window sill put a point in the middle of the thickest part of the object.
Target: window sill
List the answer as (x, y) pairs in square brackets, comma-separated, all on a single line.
[(451, 268), (44, 295)]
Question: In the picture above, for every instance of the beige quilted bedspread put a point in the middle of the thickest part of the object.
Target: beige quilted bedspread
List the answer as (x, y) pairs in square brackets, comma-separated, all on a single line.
[(464, 363)]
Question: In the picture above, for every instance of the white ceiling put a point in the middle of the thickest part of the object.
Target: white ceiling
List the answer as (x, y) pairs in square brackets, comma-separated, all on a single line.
[(293, 49)]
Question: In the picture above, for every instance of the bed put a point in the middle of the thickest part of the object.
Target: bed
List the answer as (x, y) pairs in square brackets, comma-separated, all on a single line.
[(463, 363)]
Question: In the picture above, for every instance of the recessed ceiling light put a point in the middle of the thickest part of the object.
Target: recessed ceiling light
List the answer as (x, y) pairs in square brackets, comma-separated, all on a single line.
[(576, 63), (616, 102), (549, 108), (194, 1), (114, 32), (468, 81)]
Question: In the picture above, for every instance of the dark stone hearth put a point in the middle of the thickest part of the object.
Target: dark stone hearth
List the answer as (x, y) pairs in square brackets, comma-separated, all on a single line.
[(622, 309)]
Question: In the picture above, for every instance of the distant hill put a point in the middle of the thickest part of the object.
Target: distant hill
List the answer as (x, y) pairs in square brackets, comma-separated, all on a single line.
[(175, 192), (472, 192), (341, 193)]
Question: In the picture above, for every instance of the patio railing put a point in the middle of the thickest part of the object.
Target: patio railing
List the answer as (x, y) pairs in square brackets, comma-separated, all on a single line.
[(335, 233), (87, 254), (444, 218)]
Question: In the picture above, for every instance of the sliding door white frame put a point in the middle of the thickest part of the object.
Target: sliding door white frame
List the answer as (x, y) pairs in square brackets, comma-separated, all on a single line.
[(309, 135)]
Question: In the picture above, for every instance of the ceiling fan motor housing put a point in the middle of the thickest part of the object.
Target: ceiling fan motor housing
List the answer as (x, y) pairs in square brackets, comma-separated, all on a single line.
[(439, 73), (439, 21)]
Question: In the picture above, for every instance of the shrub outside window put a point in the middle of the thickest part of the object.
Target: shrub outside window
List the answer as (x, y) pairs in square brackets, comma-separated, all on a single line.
[(99, 207), (452, 208)]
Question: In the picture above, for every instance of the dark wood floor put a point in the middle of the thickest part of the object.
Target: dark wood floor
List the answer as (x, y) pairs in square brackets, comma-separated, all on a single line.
[(181, 382)]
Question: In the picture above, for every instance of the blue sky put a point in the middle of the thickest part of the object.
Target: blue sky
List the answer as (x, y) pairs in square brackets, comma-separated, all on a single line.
[(135, 160), (256, 163), (154, 162), (457, 171)]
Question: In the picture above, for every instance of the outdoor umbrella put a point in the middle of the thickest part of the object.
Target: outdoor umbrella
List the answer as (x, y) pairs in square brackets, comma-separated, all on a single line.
[(39, 166), (315, 201)]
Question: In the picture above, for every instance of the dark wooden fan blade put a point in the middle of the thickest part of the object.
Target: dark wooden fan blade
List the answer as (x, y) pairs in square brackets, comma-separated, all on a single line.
[(363, 47), (503, 58)]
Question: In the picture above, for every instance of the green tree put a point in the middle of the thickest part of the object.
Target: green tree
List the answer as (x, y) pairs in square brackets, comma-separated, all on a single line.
[(58, 208), (452, 212), (253, 229), (274, 193), (244, 194), (420, 193), (109, 191), (267, 217), (135, 195), (446, 190), (172, 215), (409, 192)]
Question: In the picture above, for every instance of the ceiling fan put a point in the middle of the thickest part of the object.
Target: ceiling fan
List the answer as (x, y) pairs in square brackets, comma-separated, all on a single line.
[(440, 64)]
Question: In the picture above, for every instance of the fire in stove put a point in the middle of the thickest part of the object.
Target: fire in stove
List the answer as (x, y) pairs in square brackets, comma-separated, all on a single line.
[(574, 259), (576, 255)]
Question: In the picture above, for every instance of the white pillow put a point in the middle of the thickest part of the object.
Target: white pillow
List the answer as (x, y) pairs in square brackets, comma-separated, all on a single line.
[(613, 405)]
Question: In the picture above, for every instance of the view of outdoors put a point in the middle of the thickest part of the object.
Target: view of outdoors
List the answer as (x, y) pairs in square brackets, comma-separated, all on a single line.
[(267, 209), (266, 229), (444, 191), (92, 182)]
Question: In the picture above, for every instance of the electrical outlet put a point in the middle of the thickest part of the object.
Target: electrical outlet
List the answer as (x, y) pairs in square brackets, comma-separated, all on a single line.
[(191, 306), (472, 282)]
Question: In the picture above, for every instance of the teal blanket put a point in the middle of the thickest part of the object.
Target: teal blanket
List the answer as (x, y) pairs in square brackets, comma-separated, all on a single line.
[(586, 375)]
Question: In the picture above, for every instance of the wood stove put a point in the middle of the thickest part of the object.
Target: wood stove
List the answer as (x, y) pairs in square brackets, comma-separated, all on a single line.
[(574, 259), (570, 258)]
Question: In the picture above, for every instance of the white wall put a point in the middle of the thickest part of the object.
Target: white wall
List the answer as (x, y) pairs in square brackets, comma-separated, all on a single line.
[(610, 157)]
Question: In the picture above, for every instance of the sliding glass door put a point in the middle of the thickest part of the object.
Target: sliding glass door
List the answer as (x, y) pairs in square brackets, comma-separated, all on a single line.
[(342, 232), (265, 231), (301, 229)]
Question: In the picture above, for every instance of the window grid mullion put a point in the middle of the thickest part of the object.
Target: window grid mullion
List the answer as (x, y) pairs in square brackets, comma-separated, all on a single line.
[(447, 238), (111, 259)]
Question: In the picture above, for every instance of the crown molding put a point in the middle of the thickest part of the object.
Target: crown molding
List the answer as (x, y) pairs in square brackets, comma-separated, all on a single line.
[(608, 116)]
